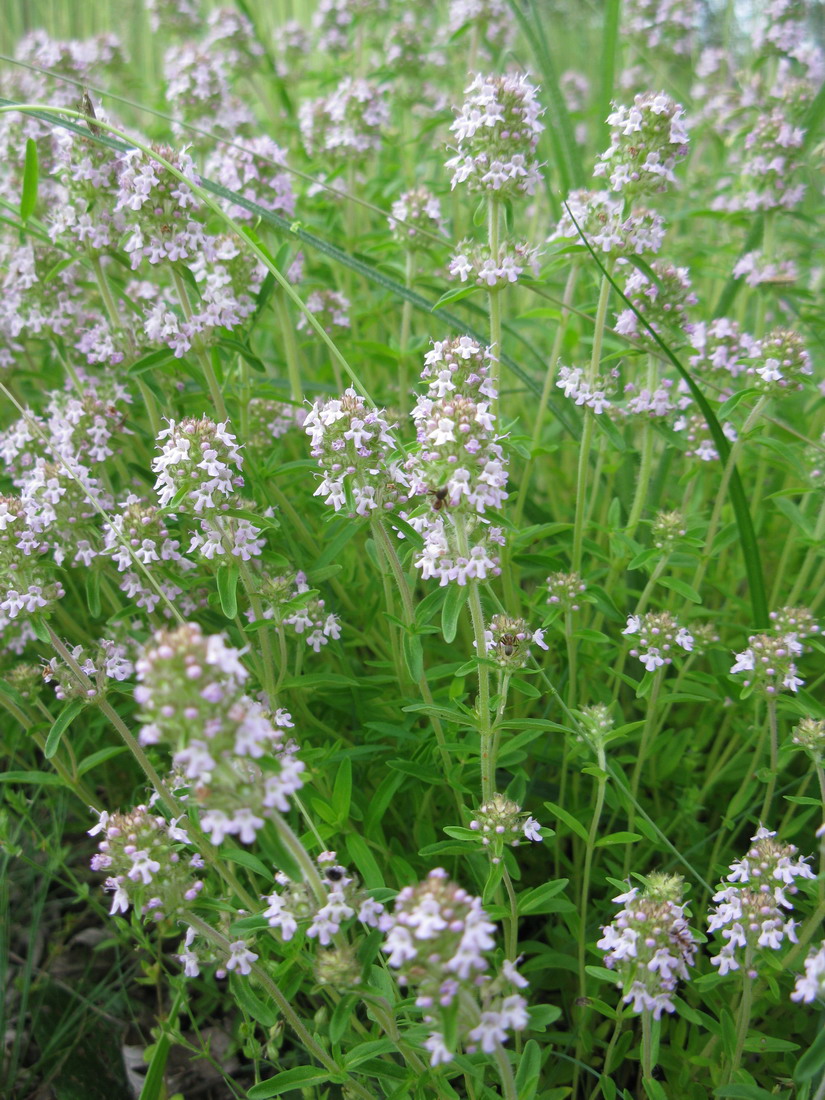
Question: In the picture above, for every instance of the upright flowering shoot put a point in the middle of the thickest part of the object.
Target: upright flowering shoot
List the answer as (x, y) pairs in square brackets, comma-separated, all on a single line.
[(227, 748), (497, 131), (751, 913), (439, 939), (646, 142), (650, 945)]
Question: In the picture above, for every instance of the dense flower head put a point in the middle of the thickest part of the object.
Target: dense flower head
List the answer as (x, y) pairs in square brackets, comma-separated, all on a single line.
[(452, 559), (59, 501), (331, 309), (231, 750), (146, 862), (268, 420), (810, 736), (667, 530), (295, 904), (254, 168), (565, 590), (810, 986), (408, 48), (88, 175), (660, 28), (756, 269), (701, 444), (768, 165), (608, 229), (752, 912), (235, 35), (476, 263), (199, 463), (508, 642), (781, 362), (595, 725), (41, 295), (416, 218), (646, 141), (501, 822), (722, 350), (794, 620), (334, 22), (354, 447), (649, 944), (460, 365), (662, 301), (438, 939), (26, 583), (347, 124), (238, 959), (492, 18), (290, 602), (161, 212), (497, 131), (108, 660), (174, 16), (596, 392), (769, 663), (658, 633)]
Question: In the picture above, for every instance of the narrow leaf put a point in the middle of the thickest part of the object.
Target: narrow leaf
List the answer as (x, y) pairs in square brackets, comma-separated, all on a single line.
[(61, 724), (227, 580), (457, 596), (31, 172)]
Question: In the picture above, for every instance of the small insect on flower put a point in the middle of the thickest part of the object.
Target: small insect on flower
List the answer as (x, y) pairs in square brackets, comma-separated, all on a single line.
[(440, 498), (87, 107)]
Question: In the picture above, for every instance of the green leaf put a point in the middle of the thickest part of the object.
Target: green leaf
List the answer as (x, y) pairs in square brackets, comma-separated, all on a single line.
[(41, 779), (248, 860), (227, 580), (682, 587), (454, 601), (342, 791), (653, 1089), (93, 592), (812, 1061), (529, 1070), (413, 655), (148, 362), (747, 1092), (341, 1017), (100, 757), (61, 724), (300, 1077), (533, 901), (571, 822), (364, 860), (618, 838), (31, 172)]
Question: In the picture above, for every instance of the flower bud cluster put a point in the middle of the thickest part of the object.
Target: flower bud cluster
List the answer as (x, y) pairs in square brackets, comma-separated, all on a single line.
[(497, 131), (768, 663), (757, 269), (147, 865), (722, 350), (110, 661), (667, 530), (646, 141), (324, 912), (508, 641), (565, 590), (291, 602), (770, 165), (408, 50), (161, 212), (476, 263), (270, 420), (810, 736), (601, 218), (595, 725), (138, 536), (354, 445), (501, 822), (658, 633), (662, 301), (239, 958), (752, 913), (331, 311), (25, 583), (660, 28), (782, 362), (811, 986), (231, 749), (595, 392), (491, 19), (438, 939), (701, 444), (416, 218), (458, 366), (346, 125), (650, 945)]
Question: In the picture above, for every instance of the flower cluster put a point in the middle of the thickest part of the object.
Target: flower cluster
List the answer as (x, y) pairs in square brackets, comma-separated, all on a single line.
[(138, 536), (347, 124), (658, 633), (239, 958), (752, 913), (649, 944), (256, 169), (331, 311), (595, 726), (230, 749), (593, 391), (147, 866), (646, 141), (458, 366), (770, 163), (415, 218), (291, 602), (662, 301), (811, 986), (476, 263), (701, 443), (353, 445), (493, 20), (660, 27), (782, 362), (810, 736), (268, 420), (497, 131), (508, 641), (437, 938), (768, 663), (324, 906), (109, 661), (756, 270), (667, 530), (501, 822), (565, 590), (602, 220), (722, 351)]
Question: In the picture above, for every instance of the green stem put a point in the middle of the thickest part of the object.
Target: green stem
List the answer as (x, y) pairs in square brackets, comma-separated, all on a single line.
[(644, 744), (293, 365), (494, 297), (588, 862), (743, 1017), (647, 1046), (505, 1072), (510, 922), (200, 351), (643, 483), (406, 325), (571, 659), (774, 750)]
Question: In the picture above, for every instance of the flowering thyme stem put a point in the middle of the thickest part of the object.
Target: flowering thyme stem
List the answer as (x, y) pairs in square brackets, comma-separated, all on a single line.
[(293, 366), (283, 1004), (505, 1072), (588, 862), (774, 749), (647, 1046), (493, 219), (643, 477), (647, 735), (743, 1018), (587, 430), (406, 323), (203, 358)]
